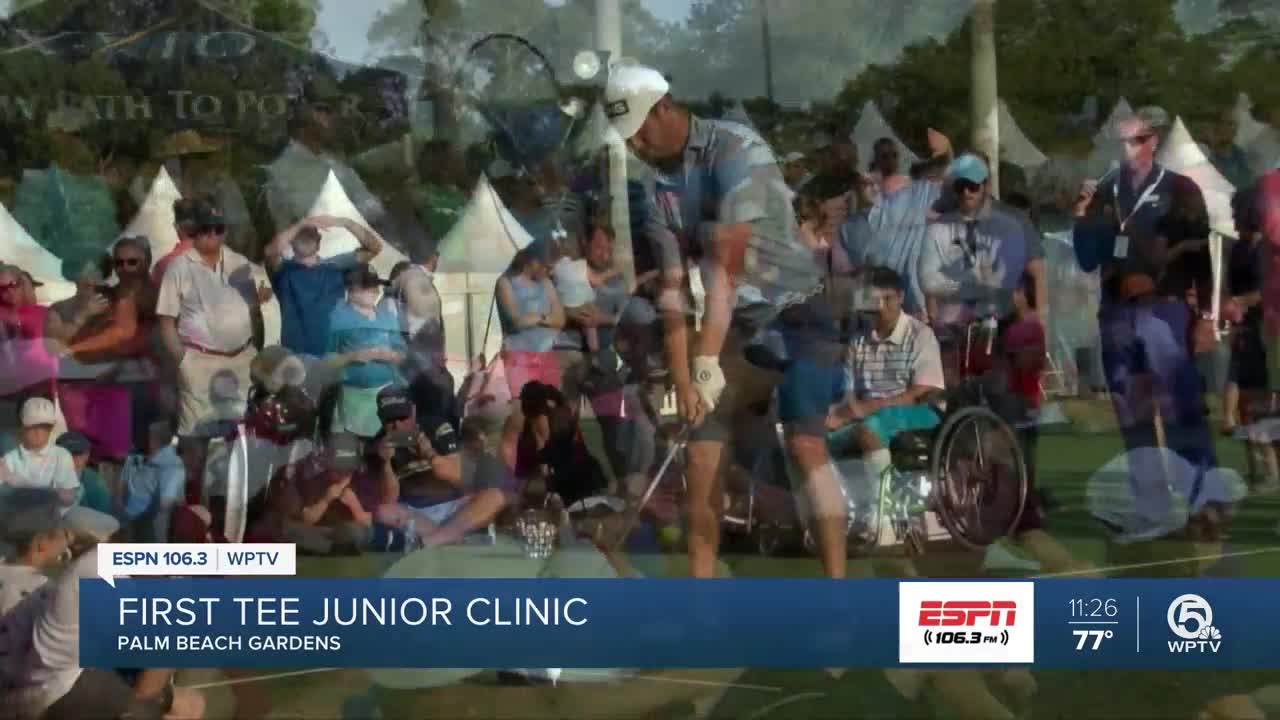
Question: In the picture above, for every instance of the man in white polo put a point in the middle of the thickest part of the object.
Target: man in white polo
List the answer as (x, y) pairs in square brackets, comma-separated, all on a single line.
[(205, 308)]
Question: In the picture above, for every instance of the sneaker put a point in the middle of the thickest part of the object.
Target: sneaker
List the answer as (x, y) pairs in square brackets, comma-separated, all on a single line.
[(1000, 556)]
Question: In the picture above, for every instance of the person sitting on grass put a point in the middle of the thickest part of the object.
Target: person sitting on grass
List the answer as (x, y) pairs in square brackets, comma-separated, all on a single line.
[(36, 462), (426, 479), (316, 503), (552, 446), (94, 492), (154, 483)]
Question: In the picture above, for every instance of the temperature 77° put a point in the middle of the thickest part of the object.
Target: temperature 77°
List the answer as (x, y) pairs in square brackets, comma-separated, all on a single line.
[(1097, 636)]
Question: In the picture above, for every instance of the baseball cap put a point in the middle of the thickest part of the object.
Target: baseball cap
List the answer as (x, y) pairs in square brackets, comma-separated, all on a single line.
[(74, 442), (394, 404), (968, 167), (39, 411), (28, 513), (343, 452), (362, 276), (630, 94), (198, 211)]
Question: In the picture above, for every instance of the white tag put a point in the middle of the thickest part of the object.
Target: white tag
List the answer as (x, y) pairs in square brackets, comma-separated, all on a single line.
[(1122, 247)]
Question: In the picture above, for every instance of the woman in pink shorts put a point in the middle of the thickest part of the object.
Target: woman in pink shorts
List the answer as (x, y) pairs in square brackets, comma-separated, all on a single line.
[(531, 316)]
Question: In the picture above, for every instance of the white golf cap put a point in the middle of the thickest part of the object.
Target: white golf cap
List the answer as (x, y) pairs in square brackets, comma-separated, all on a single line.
[(39, 411), (631, 93)]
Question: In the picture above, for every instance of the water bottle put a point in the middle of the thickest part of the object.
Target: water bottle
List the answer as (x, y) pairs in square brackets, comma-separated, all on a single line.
[(411, 536)]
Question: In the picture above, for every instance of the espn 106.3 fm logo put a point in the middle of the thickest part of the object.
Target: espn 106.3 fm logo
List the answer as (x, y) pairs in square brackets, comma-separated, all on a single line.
[(966, 622)]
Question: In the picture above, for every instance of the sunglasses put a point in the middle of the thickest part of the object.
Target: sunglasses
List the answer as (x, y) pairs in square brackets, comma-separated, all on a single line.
[(1137, 140), (127, 262), (198, 230), (963, 187)]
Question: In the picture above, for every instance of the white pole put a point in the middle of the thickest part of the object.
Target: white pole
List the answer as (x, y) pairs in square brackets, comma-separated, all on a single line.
[(609, 39), (983, 101)]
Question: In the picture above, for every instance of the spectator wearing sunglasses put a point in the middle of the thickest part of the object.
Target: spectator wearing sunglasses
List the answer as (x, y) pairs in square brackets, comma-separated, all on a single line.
[(974, 256), (1155, 388), (886, 166), (27, 368), (103, 335), (205, 311)]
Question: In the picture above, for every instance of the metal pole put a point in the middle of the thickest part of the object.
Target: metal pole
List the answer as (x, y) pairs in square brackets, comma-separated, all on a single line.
[(609, 39), (768, 49), (983, 101)]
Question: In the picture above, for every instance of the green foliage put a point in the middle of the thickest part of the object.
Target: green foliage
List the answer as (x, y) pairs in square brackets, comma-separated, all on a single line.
[(71, 216)]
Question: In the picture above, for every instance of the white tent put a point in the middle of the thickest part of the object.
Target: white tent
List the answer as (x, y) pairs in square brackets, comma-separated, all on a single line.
[(871, 127), (1015, 147), (154, 220), (1106, 133), (486, 236), (18, 248), (1105, 154), (1247, 126), (1181, 154), (333, 201)]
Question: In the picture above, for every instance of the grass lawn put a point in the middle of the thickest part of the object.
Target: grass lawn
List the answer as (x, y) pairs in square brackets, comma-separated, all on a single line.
[(1065, 462)]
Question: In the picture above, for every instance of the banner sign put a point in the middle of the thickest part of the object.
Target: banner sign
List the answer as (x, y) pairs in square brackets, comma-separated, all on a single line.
[(628, 623)]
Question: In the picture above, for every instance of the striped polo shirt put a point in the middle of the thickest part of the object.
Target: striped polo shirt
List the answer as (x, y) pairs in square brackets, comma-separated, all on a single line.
[(884, 367)]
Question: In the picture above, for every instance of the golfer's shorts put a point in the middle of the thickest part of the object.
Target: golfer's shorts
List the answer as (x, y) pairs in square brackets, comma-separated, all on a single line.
[(812, 376)]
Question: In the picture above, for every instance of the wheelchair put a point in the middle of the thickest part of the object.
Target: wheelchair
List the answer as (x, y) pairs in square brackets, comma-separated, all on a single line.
[(964, 480)]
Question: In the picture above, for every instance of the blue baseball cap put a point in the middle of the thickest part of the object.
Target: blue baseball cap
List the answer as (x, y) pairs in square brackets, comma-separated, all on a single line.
[(968, 167)]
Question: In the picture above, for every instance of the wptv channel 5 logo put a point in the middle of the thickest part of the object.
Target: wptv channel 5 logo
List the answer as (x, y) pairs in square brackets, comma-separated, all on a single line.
[(1190, 618), (966, 622)]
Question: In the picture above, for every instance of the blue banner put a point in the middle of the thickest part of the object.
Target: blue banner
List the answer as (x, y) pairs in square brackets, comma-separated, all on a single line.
[(774, 623)]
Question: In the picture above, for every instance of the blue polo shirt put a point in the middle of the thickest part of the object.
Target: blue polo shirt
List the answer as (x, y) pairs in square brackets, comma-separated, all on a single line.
[(729, 175), (307, 297), (349, 331)]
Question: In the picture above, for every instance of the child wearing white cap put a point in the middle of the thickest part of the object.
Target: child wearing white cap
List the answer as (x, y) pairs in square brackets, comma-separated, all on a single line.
[(37, 462)]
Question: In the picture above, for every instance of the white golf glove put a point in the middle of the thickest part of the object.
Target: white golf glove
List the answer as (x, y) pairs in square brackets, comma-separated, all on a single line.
[(708, 381)]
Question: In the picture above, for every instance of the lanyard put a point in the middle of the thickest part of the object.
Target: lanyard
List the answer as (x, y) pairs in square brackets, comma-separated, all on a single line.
[(1141, 198)]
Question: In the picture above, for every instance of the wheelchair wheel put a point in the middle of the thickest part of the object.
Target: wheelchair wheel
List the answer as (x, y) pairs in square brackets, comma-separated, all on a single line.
[(980, 477)]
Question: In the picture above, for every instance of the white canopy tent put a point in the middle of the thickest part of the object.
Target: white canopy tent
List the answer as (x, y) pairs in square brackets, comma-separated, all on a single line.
[(333, 201), (871, 127), (1015, 147), (485, 238), (477, 249), (1247, 126), (19, 249), (1181, 154), (1105, 154), (155, 220), (1260, 141)]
